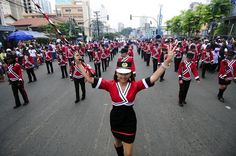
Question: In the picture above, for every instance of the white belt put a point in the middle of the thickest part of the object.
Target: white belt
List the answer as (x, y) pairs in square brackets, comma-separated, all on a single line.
[(121, 104)]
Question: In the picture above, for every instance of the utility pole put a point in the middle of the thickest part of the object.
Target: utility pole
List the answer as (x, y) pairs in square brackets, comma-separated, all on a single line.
[(159, 21), (96, 15)]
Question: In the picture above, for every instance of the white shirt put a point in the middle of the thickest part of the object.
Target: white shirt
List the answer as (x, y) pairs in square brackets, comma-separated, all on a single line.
[(32, 52), (215, 56)]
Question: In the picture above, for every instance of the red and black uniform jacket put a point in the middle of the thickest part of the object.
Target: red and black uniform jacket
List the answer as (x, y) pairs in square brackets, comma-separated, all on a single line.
[(185, 70), (227, 69), (207, 56), (14, 72), (48, 55), (62, 61), (28, 62)]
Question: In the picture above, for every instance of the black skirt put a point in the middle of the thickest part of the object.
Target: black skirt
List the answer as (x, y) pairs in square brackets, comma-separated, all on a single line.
[(123, 123), (223, 82)]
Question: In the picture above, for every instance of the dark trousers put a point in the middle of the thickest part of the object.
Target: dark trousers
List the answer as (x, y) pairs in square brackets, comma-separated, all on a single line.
[(142, 53), (80, 82), (154, 63), (219, 61), (183, 90), (104, 64), (17, 85), (148, 56), (90, 54), (108, 61), (162, 76), (112, 54), (97, 67), (205, 66), (64, 71), (213, 67), (35, 63), (177, 62), (30, 73), (70, 60), (139, 49), (49, 63)]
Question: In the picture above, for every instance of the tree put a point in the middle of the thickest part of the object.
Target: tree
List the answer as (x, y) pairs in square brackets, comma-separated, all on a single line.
[(68, 29), (190, 21), (97, 28), (110, 36), (126, 31)]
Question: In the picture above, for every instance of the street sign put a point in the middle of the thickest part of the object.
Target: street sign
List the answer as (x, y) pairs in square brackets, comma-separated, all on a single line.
[(7, 28)]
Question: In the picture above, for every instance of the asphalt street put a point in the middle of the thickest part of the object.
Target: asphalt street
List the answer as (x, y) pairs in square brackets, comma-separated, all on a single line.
[(53, 125)]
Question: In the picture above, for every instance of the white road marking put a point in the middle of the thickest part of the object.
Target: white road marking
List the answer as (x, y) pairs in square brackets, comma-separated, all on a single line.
[(228, 107)]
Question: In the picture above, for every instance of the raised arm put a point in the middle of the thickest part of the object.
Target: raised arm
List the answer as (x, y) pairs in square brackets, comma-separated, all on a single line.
[(81, 67), (155, 76)]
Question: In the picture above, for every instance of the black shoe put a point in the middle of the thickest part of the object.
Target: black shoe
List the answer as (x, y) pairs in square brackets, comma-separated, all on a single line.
[(162, 80), (62, 77), (184, 102), (35, 80), (30, 81), (16, 106), (181, 104), (76, 101), (48, 72), (26, 103), (221, 99), (82, 98)]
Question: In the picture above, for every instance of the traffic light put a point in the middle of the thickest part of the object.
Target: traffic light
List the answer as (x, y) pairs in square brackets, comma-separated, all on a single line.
[(108, 17), (130, 17)]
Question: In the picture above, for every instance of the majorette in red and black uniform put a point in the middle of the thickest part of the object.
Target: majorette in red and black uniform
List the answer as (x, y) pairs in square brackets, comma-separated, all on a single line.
[(129, 60), (227, 73), (97, 61), (62, 62), (78, 80), (14, 73), (103, 57), (207, 59), (186, 67), (28, 63), (123, 120), (130, 51), (48, 59), (108, 53), (155, 52), (70, 54), (178, 55)]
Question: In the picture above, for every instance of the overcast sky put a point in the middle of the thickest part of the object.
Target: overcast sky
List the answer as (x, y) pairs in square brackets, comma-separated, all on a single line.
[(120, 10)]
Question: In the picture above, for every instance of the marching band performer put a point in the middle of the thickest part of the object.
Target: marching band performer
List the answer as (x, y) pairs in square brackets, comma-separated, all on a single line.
[(48, 59), (103, 58), (78, 81), (14, 73), (155, 56), (124, 57), (123, 90), (186, 67), (28, 63), (178, 55), (97, 62), (207, 59), (227, 73), (63, 64)]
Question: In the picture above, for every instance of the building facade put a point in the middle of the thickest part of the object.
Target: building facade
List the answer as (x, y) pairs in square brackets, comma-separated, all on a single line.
[(120, 26), (77, 10)]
